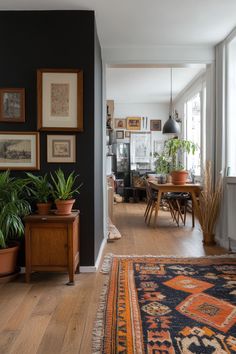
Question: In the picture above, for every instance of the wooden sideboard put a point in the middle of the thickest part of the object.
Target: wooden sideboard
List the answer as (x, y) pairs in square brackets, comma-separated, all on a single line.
[(52, 244)]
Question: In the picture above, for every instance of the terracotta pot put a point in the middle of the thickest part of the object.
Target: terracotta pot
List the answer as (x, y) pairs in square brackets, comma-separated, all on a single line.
[(179, 177), (43, 208), (64, 207), (208, 239), (8, 259)]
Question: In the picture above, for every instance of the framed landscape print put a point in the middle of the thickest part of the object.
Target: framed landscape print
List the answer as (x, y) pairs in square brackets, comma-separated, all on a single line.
[(61, 148), (155, 125), (12, 105), (19, 151), (120, 123), (120, 134), (60, 99), (134, 123)]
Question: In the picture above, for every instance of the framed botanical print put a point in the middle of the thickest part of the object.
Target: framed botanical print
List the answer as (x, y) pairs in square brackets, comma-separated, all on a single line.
[(134, 123), (119, 134), (155, 125), (61, 148), (19, 151), (60, 99), (12, 105)]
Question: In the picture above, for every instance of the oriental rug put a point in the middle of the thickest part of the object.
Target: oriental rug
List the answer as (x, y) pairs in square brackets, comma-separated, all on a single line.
[(161, 305)]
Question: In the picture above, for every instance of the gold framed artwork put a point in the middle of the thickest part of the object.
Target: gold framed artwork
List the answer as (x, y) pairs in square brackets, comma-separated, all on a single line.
[(134, 123), (61, 148), (60, 99), (19, 151), (120, 123), (12, 105), (119, 134), (155, 125)]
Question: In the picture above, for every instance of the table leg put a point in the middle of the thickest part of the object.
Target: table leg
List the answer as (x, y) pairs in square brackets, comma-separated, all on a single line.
[(158, 202), (195, 205)]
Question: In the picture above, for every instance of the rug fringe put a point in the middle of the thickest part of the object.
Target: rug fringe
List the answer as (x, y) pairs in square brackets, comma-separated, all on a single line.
[(107, 262), (99, 324)]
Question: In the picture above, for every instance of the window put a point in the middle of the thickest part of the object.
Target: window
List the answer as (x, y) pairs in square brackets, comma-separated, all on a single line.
[(231, 108), (193, 132)]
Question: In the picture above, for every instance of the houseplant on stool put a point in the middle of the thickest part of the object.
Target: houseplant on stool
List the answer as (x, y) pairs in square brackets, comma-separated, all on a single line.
[(41, 191), (64, 190), (13, 207), (175, 149)]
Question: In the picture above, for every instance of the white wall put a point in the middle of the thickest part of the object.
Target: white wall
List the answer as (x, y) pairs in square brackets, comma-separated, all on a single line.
[(150, 110)]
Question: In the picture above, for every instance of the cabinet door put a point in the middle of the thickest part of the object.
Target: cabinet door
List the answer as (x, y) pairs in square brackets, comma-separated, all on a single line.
[(48, 244)]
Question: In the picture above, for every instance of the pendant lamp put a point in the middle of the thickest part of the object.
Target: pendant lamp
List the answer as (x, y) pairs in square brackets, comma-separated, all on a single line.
[(171, 126)]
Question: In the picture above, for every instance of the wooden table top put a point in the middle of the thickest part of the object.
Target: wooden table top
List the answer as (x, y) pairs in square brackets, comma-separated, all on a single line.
[(174, 187)]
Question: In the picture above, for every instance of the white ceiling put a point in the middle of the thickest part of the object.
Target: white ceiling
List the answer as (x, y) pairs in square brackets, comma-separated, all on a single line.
[(143, 23), (147, 85)]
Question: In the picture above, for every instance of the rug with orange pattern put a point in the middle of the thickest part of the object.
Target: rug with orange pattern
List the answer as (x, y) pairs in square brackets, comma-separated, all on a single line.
[(168, 305)]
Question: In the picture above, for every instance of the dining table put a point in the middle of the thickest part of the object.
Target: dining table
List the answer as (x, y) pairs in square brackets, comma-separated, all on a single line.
[(193, 189)]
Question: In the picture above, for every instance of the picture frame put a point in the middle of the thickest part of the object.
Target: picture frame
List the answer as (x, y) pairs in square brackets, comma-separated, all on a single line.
[(155, 125), (12, 105), (120, 123), (60, 99), (133, 123), (61, 148), (19, 151), (127, 134), (119, 134)]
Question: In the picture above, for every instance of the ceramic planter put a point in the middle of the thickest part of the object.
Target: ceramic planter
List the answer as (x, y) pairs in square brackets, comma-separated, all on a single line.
[(43, 208), (8, 259), (179, 177), (64, 207)]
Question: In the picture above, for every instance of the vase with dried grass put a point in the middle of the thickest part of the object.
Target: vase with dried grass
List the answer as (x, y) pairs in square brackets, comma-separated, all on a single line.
[(209, 205)]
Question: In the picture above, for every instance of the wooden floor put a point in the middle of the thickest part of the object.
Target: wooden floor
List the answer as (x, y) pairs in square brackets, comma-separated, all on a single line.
[(48, 317)]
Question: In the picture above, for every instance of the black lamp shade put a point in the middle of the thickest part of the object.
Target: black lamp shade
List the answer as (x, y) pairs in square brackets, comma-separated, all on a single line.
[(171, 127)]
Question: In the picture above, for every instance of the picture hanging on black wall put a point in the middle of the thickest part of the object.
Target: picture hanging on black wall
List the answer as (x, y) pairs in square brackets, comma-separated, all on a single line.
[(19, 151), (60, 99), (12, 105), (61, 148)]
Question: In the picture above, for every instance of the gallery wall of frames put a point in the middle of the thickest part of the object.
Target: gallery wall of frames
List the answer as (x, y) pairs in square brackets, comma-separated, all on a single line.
[(47, 102)]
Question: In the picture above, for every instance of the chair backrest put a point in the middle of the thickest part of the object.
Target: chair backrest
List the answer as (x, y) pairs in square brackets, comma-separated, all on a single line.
[(148, 189)]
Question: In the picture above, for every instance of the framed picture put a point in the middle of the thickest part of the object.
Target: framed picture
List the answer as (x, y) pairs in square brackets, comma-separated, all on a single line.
[(134, 123), (120, 123), (155, 125), (60, 99), (61, 148), (19, 151), (119, 134), (127, 134), (12, 105)]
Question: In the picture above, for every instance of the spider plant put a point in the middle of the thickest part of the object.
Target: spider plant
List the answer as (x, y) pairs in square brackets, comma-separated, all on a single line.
[(64, 187), (13, 207), (40, 188)]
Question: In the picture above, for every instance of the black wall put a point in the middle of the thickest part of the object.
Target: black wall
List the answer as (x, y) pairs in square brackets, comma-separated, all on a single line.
[(57, 39)]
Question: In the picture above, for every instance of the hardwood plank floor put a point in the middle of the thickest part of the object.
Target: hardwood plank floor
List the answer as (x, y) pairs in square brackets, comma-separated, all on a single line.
[(47, 317)]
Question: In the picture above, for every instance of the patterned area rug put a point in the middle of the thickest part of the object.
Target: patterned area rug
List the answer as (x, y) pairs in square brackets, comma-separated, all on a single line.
[(168, 305)]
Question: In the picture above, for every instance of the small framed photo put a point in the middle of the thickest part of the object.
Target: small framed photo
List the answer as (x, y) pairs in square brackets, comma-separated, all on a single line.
[(127, 134), (61, 148), (120, 123), (134, 123), (12, 105), (19, 151), (119, 134), (155, 125), (60, 99)]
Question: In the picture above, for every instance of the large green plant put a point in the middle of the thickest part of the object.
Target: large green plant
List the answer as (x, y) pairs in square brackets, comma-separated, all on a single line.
[(175, 149), (40, 188), (162, 163), (64, 187), (13, 207)]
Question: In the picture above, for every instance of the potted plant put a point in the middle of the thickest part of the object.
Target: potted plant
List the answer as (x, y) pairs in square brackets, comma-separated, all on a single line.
[(41, 191), (175, 149), (162, 164), (13, 207), (64, 190)]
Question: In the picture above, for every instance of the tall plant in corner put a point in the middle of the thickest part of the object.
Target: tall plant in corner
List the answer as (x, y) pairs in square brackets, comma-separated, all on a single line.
[(13, 207)]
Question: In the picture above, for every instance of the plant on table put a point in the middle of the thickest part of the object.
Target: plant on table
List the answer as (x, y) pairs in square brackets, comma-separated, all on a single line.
[(41, 190), (13, 207), (64, 190)]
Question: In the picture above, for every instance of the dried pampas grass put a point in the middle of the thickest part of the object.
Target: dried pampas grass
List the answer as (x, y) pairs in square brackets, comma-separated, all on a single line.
[(209, 204)]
